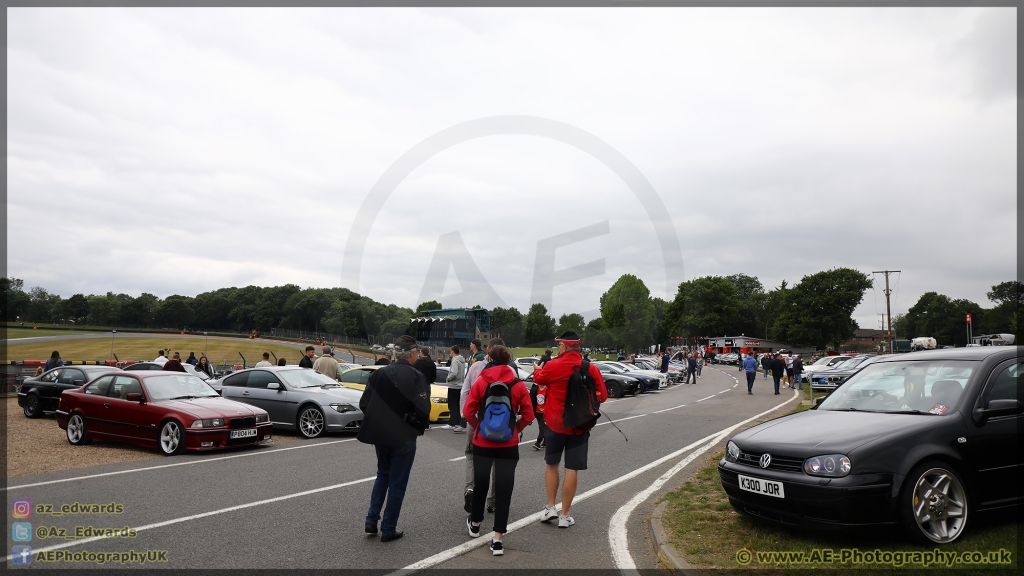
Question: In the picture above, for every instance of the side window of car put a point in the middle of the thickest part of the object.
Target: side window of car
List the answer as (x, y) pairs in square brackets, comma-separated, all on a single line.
[(71, 376), (123, 386), (100, 387), (1006, 385), (356, 376), (260, 379), (237, 380), (51, 376)]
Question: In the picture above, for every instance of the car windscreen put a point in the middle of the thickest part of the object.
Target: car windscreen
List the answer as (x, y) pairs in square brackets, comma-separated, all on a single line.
[(174, 386), (926, 387), (306, 379), (822, 361), (197, 373)]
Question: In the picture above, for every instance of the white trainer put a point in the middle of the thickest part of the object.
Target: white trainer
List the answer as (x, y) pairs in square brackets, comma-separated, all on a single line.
[(565, 521), (549, 514)]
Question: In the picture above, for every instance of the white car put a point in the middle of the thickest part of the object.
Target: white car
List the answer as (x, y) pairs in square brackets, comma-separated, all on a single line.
[(526, 364), (824, 363), (662, 378)]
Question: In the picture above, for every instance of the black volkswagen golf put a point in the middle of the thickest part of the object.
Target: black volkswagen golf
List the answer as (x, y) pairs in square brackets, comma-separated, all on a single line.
[(926, 440)]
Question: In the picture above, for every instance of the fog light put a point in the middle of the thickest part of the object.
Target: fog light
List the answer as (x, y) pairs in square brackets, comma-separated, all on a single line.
[(206, 444), (266, 436)]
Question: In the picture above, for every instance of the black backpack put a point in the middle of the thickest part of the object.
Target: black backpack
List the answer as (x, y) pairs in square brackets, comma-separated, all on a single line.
[(581, 405)]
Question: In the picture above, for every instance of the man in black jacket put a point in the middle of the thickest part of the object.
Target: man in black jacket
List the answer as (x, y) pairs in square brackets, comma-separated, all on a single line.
[(778, 368), (396, 409), (383, 360), (426, 365), (307, 360)]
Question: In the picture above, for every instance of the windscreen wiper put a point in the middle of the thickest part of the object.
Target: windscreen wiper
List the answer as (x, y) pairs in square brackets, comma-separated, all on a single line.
[(184, 397)]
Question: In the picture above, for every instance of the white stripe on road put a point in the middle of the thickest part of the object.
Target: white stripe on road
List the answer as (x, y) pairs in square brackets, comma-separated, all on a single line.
[(726, 390), (619, 420), (672, 408), (703, 399), (262, 452), (203, 515), (617, 532)]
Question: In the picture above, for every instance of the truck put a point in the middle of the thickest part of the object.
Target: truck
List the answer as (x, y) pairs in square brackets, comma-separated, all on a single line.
[(899, 346), (993, 340), (924, 343)]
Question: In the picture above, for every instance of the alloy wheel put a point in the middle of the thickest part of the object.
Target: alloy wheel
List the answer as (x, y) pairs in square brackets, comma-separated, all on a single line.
[(170, 437), (76, 429), (311, 423), (940, 505)]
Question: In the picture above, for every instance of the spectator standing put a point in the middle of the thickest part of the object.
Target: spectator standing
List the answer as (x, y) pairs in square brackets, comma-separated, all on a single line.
[(789, 371), (749, 366), (160, 358), (472, 374), (691, 369), (798, 369), (326, 364), (396, 409), (778, 368), (476, 352), (384, 360), (426, 365), (55, 361), (573, 441), (501, 455), (174, 364), (192, 359), (265, 363), (766, 364), (544, 359), (700, 363), (456, 377), (281, 362), (203, 365), (664, 364), (307, 360)]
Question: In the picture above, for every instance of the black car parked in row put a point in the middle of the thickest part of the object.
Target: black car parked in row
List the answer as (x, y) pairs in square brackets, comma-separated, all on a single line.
[(926, 440), (40, 394)]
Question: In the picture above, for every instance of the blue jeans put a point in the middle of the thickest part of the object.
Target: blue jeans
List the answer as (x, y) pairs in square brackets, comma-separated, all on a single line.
[(765, 373), (799, 380), (750, 380), (393, 466)]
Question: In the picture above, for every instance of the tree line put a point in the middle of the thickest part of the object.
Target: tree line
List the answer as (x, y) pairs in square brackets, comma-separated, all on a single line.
[(816, 311)]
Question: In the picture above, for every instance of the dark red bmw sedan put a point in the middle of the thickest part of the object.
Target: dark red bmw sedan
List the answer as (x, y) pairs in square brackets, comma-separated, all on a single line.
[(172, 411)]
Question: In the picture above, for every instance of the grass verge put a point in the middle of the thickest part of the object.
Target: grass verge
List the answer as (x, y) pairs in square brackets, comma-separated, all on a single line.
[(709, 533)]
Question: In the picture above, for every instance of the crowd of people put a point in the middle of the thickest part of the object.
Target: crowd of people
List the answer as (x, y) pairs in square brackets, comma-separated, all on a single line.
[(785, 369)]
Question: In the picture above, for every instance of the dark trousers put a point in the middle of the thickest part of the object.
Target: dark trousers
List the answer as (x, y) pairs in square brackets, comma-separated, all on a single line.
[(455, 415), (393, 466), (543, 428), (504, 461), (691, 375), (750, 380), (776, 378)]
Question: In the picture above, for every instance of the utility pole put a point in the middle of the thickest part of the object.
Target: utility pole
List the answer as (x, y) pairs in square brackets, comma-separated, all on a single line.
[(888, 314)]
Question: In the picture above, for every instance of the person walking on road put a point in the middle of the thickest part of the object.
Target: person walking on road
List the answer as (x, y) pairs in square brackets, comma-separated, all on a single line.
[(573, 441), (467, 385), (456, 377), (700, 363), (766, 361), (691, 369), (789, 371), (56, 362), (798, 370), (749, 365), (326, 364), (778, 367), (307, 360), (396, 409), (204, 366), (426, 365), (496, 438), (265, 363)]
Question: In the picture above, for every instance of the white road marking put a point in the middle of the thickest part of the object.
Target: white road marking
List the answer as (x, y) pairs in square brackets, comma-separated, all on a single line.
[(617, 533), (703, 399), (672, 408), (620, 420), (259, 453), (204, 515)]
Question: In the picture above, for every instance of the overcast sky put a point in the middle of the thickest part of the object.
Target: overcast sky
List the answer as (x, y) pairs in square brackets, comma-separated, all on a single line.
[(177, 151)]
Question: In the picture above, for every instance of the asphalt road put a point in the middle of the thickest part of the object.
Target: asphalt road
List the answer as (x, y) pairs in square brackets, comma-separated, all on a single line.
[(301, 505)]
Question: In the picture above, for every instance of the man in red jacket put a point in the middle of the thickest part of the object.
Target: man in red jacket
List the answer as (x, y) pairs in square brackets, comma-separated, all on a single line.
[(573, 441)]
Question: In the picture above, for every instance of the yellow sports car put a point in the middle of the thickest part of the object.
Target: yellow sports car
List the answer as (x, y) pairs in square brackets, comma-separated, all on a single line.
[(356, 378)]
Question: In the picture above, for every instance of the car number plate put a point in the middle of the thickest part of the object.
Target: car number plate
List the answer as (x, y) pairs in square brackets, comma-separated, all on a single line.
[(761, 486), (243, 433)]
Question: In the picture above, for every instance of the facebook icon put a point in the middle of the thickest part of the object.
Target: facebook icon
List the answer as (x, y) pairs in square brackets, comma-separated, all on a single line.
[(21, 555)]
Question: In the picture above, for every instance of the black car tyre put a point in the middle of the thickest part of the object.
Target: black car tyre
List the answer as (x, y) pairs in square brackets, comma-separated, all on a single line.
[(614, 390), (33, 407), (934, 504), (76, 431), (172, 438), (310, 422)]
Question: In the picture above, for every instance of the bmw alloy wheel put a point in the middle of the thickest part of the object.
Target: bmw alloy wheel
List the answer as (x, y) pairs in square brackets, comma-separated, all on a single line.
[(76, 429), (171, 441), (939, 505), (311, 422)]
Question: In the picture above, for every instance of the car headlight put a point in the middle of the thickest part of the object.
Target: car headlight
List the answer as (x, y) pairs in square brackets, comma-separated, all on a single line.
[(732, 451), (439, 399), (829, 466), (211, 423), (262, 418), (343, 408)]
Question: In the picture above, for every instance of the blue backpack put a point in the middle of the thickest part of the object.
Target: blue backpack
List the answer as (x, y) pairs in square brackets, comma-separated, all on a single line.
[(497, 419)]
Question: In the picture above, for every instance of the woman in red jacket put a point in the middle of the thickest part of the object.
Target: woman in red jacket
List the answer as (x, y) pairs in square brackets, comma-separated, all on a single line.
[(491, 411)]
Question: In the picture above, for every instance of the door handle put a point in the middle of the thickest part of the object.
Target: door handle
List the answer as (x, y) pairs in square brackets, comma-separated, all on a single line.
[(106, 404), (246, 393)]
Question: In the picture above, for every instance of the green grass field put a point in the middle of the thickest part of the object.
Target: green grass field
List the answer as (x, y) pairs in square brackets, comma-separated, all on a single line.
[(218, 349)]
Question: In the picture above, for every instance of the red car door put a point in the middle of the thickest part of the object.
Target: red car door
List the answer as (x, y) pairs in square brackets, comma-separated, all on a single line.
[(91, 404), (130, 420)]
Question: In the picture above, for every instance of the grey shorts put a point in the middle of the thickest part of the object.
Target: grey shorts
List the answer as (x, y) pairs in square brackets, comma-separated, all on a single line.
[(575, 448)]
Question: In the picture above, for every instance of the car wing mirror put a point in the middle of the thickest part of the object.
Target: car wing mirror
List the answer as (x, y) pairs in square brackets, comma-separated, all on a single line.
[(996, 408), (134, 397), (274, 386), (818, 401)]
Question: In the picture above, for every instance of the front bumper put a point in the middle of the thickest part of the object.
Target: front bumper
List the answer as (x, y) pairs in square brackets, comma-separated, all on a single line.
[(218, 438), (342, 421), (811, 502)]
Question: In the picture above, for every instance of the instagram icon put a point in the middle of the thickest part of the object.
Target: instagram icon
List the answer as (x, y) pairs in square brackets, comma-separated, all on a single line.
[(21, 509)]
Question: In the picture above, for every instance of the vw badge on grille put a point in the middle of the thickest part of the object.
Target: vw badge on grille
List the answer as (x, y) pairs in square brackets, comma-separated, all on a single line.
[(766, 459)]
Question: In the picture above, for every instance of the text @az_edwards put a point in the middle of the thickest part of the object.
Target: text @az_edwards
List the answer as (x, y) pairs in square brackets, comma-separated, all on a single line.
[(936, 557), (78, 532)]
